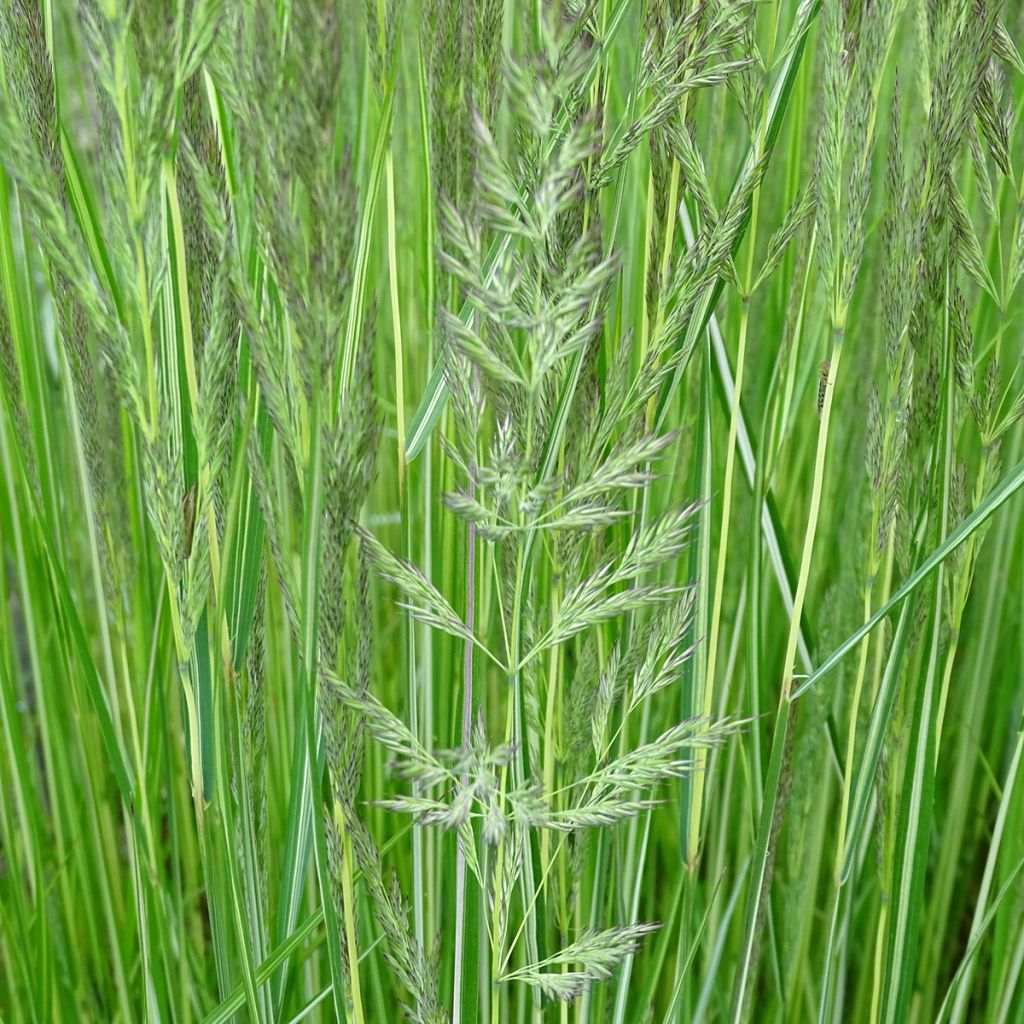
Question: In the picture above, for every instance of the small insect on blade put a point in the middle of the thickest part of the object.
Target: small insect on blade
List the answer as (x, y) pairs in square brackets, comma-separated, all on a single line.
[(188, 511), (826, 365)]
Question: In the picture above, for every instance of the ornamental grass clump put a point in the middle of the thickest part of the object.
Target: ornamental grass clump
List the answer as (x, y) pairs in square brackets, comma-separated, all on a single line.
[(509, 512)]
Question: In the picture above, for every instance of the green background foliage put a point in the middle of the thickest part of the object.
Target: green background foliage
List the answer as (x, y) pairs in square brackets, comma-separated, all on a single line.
[(509, 511)]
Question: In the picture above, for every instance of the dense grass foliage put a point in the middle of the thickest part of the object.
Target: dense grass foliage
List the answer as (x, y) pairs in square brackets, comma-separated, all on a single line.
[(509, 511)]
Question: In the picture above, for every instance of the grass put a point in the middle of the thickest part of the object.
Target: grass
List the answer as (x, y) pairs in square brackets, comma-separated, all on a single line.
[(511, 512)]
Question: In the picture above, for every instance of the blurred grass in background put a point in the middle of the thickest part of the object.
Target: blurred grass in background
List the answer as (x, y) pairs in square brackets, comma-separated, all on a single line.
[(509, 511)]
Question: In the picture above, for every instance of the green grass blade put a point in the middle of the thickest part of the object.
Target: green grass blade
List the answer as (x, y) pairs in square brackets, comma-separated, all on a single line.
[(999, 495)]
